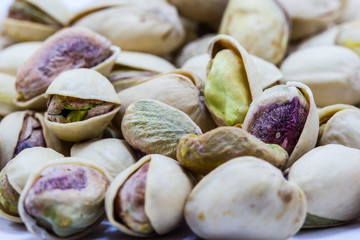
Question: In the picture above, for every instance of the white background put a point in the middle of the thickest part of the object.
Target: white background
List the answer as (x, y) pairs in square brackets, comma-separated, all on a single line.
[(13, 231)]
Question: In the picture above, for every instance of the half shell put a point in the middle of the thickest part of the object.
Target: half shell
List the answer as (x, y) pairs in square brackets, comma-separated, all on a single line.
[(7, 94)]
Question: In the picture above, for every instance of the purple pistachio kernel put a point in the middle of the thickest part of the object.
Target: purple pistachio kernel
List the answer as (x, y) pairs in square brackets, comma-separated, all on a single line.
[(280, 124)]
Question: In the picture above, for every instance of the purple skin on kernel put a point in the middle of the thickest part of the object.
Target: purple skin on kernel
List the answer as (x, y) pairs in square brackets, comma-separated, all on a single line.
[(280, 124)]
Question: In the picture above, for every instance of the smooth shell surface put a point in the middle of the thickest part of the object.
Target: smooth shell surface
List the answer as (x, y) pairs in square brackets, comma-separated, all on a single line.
[(8, 94)]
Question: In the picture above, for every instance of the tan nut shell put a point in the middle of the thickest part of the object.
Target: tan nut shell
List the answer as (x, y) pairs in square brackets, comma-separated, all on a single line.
[(114, 155), (163, 205), (10, 128), (245, 198), (85, 84), (32, 31), (198, 65), (12, 57), (160, 33), (180, 89), (331, 72), (269, 74), (31, 223), (221, 42), (18, 170), (8, 94)]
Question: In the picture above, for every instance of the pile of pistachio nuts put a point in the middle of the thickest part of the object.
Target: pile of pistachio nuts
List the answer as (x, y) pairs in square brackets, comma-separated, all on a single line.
[(238, 118)]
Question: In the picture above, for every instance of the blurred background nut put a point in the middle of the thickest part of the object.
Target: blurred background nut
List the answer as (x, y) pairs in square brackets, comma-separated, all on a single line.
[(242, 196), (260, 26), (328, 175), (8, 94)]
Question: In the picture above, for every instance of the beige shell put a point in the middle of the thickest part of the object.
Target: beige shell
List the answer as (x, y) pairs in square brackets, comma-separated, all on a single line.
[(269, 74), (245, 198), (147, 27), (179, 89), (114, 155), (221, 42), (18, 170), (32, 31), (10, 128), (12, 57), (325, 38), (163, 205), (198, 65), (260, 26), (85, 84), (8, 94), (31, 223), (327, 175), (331, 72), (350, 11), (104, 68)]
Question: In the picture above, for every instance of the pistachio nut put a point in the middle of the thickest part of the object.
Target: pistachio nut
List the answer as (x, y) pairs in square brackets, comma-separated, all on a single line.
[(153, 27), (12, 57), (179, 89), (81, 104), (114, 155), (14, 175), (26, 129), (349, 36), (350, 11), (268, 73), (132, 68), (285, 115), (143, 201), (328, 177), (67, 49), (331, 72), (197, 65), (5, 41), (35, 20), (232, 81), (151, 126), (242, 196), (7, 94), (249, 21), (312, 17), (64, 199), (202, 154), (325, 38)]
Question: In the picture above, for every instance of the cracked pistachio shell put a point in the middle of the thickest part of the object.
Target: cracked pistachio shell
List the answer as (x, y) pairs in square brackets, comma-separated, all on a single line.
[(325, 38), (349, 36), (10, 129), (21, 30), (84, 204), (311, 16), (34, 77), (201, 154), (249, 21), (84, 84), (7, 94), (269, 74), (198, 65), (155, 127), (12, 57), (17, 171), (297, 121), (152, 27), (171, 88), (232, 81), (331, 72), (114, 155), (328, 175), (342, 128), (242, 196), (129, 68), (164, 198)]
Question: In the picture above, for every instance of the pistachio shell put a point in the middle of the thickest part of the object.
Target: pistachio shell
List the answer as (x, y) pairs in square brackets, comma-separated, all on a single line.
[(114, 155), (327, 175), (155, 127), (201, 154), (18, 171), (55, 8), (7, 94), (331, 72), (170, 88), (33, 225), (10, 129), (245, 198), (12, 57), (228, 106), (75, 83), (198, 65), (163, 206), (152, 27), (249, 23), (325, 38), (269, 74), (349, 36)]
